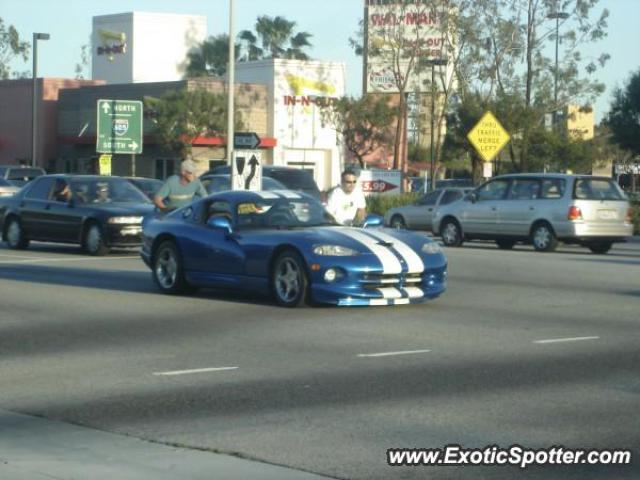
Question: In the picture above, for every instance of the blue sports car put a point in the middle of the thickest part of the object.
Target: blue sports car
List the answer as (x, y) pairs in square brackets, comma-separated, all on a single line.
[(284, 243)]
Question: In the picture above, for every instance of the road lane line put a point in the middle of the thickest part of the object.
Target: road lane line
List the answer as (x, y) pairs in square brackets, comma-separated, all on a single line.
[(54, 259), (391, 354), (195, 370), (561, 340)]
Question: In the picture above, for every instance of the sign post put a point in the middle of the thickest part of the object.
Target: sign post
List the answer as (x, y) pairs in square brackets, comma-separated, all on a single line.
[(119, 127), (488, 137), (246, 170)]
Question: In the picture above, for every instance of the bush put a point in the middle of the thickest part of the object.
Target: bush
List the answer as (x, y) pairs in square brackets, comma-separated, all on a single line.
[(379, 204), (635, 217)]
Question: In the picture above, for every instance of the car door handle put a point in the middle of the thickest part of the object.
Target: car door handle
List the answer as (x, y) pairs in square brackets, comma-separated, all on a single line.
[(532, 208), (494, 208), (429, 209), (48, 207)]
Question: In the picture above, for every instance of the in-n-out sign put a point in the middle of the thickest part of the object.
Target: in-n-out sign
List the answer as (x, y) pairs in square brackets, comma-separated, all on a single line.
[(488, 137)]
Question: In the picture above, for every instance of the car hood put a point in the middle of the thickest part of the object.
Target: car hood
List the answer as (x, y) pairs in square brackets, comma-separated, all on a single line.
[(122, 209), (358, 239)]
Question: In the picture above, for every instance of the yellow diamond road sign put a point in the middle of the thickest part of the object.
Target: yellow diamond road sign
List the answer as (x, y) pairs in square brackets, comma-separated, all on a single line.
[(488, 137)]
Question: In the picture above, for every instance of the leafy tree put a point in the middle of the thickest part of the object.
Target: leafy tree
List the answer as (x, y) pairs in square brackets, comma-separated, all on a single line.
[(364, 123), (624, 117), (211, 57), (180, 116), (11, 46), (277, 38)]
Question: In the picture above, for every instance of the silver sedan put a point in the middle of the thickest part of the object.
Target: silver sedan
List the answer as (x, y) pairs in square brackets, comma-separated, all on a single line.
[(419, 216)]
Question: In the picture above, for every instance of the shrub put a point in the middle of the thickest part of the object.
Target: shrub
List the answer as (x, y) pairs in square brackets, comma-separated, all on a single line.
[(635, 217), (379, 204)]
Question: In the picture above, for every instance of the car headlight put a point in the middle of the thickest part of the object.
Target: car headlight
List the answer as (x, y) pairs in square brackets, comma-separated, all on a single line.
[(334, 251), (125, 220), (431, 247)]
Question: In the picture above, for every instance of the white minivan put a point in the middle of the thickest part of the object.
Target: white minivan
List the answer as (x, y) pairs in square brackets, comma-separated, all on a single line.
[(541, 209)]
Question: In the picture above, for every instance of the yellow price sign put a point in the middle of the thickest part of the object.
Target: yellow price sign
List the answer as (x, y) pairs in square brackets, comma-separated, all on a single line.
[(488, 137), (104, 165)]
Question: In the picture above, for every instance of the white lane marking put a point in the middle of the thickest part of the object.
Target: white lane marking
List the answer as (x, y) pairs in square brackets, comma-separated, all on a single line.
[(390, 263), (195, 370), (45, 259), (391, 354), (561, 340), (414, 262)]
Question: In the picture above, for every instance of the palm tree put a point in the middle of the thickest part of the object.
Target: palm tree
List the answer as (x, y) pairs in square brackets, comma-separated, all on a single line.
[(210, 58), (277, 39)]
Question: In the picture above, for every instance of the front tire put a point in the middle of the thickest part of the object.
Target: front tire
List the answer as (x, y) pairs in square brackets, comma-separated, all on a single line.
[(543, 237), (397, 222), (15, 235), (600, 248), (94, 242), (168, 269), (451, 233), (289, 280)]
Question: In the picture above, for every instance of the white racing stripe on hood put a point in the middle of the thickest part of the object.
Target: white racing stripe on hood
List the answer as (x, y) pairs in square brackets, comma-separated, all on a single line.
[(390, 292), (267, 195), (414, 262), (390, 263), (286, 194), (413, 292)]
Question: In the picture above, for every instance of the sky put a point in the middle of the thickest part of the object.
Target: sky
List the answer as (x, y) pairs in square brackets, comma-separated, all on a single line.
[(331, 22)]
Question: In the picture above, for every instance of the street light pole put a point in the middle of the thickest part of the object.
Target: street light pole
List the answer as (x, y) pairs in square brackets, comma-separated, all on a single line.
[(557, 16), (34, 99), (432, 166), (231, 84)]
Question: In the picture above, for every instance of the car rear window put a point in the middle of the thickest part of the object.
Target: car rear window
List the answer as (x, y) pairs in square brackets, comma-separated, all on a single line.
[(23, 173), (4, 183), (597, 189)]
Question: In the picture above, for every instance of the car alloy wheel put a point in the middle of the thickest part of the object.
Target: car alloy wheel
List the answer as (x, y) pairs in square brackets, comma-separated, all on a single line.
[(15, 235), (398, 222), (289, 280), (94, 241), (451, 235), (543, 238), (168, 270)]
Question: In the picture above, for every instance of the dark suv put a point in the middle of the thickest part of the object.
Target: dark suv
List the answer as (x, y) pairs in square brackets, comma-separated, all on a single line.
[(292, 178), (18, 175)]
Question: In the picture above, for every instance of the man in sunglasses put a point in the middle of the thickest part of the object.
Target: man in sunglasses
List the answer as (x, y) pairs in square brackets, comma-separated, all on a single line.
[(179, 191), (346, 203)]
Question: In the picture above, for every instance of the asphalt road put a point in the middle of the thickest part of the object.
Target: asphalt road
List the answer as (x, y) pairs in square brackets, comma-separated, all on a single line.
[(524, 348)]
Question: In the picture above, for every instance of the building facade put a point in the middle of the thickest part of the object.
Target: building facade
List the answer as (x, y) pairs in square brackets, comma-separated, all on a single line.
[(297, 91), (139, 47)]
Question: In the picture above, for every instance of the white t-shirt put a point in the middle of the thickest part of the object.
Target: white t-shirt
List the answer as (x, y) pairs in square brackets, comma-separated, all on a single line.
[(344, 206)]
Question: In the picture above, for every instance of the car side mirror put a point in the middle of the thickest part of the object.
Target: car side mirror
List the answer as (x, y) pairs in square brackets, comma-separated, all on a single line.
[(71, 202), (472, 197), (372, 220), (221, 223)]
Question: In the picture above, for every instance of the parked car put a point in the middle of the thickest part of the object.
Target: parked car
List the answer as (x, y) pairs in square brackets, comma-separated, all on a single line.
[(18, 175), (292, 178), (286, 244), (419, 216), (97, 212), (541, 209), (148, 186), (7, 189), (219, 183)]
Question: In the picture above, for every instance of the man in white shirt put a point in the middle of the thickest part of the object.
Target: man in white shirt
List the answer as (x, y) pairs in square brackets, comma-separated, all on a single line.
[(346, 202)]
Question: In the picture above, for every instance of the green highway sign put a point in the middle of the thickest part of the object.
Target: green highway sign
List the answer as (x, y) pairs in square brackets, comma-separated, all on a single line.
[(119, 127)]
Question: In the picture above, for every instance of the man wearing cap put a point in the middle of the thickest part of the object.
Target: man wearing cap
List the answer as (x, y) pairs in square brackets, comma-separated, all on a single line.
[(179, 190)]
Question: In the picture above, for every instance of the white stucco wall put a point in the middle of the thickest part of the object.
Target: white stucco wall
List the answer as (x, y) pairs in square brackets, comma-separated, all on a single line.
[(156, 46)]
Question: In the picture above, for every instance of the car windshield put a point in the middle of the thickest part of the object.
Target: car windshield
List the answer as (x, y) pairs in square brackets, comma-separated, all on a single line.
[(283, 213), (105, 190), (597, 189), (20, 176)]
